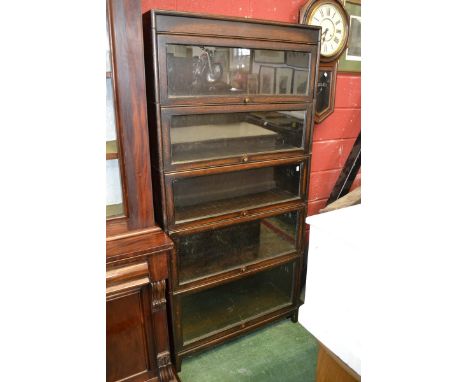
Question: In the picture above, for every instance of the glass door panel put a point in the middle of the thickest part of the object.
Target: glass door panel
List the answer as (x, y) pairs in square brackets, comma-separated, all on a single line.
[(215, 251), (111, 131), (196, 70), (216, 194), (114, 200), (210, 311), (196, 137)]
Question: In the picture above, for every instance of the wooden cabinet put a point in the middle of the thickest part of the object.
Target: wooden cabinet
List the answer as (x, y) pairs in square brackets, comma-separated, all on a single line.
[(138, 252), (230, 111), (137, 276)]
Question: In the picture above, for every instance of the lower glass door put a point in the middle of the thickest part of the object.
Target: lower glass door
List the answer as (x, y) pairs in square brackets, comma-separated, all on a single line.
[(215, 251), (213, 310)]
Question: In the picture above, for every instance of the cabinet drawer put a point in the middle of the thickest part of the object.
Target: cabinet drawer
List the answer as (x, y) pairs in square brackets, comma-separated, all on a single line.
[(208, 136), (236, 247), (233, 191), (206, 313), (201, 70)]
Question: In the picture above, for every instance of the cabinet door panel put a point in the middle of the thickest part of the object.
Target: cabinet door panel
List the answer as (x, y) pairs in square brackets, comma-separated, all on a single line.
[(208, 136), (213, 310), (217, 194), (215, 251), (217, 70), (126, 347)]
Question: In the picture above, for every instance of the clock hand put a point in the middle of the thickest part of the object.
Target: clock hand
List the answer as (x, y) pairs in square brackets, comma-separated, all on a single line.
[(324, 34)]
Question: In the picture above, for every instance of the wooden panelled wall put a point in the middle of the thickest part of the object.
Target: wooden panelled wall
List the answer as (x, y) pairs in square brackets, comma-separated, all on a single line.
[(333, 138)]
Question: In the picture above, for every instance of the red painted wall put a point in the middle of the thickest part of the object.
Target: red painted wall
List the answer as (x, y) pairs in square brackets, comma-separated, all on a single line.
[(333, 140), (334, 137)]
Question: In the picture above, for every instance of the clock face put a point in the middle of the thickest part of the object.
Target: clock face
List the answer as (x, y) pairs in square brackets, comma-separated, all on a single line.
[(334, 32)]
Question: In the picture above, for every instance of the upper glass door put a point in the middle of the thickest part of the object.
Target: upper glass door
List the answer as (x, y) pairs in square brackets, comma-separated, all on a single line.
[(114, 201), (210, 71)]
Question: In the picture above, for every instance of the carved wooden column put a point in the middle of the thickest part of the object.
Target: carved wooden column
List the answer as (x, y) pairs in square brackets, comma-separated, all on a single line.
[(159, 274)]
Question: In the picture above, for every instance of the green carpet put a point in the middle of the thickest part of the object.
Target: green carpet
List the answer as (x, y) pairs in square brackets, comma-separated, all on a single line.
[(282, 352)]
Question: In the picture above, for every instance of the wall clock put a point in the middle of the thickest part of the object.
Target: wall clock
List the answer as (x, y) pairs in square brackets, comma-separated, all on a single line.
[(326, 83), (331, 16)]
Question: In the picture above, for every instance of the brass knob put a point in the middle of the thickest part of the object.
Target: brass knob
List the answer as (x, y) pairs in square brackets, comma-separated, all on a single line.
[(243, 269), (245, 158), (246, 100), (244, 213)]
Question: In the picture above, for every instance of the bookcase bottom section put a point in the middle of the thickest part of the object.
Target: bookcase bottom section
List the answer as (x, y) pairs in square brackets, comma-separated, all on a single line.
[(257, 323), (207, 315)]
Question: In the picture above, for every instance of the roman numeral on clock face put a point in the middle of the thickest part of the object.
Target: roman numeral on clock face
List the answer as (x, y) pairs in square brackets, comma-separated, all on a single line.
[(338, 31), (336, 40), (321, 12), (328, 11), (339, 21), (324, 47)]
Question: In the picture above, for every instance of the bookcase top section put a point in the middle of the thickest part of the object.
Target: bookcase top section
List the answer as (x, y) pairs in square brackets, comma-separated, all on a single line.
[(171, 22)]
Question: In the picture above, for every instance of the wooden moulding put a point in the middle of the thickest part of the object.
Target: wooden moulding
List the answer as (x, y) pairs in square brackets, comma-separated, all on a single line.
[(136, 279), (129, 81), (188, 23), (137, 243)]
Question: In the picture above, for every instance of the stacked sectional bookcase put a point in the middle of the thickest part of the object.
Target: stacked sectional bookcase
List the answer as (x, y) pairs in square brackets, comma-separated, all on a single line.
[(230, 110)]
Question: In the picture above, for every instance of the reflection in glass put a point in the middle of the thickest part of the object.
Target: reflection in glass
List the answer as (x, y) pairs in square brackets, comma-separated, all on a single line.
[(215, 251), (211, 136), (114, 204), (110, 112), (217, 194), (323, 90), (108, 50), (210, 311), (203, 70)]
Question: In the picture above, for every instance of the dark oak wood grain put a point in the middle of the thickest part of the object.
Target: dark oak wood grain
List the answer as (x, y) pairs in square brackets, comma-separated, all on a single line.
[(136, 288), (130, 88), (137, 251), (209, 25), (214, 204)]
